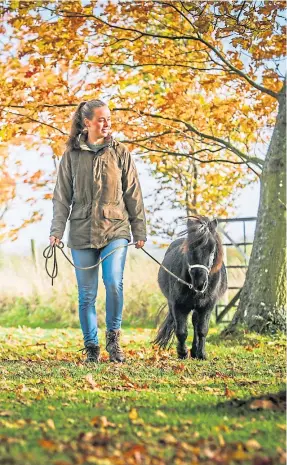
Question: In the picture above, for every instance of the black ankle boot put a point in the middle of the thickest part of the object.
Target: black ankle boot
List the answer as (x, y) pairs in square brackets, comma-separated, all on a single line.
[(92, 351)]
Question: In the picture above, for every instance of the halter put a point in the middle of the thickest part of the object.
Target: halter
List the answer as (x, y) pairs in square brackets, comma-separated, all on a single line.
[(206, 268)]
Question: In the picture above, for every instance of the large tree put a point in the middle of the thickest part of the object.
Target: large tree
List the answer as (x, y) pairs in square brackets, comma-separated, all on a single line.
[(206, 72), (262, 303)]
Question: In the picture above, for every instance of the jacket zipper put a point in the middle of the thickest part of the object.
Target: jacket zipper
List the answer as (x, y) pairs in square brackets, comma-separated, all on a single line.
[(93, 179)]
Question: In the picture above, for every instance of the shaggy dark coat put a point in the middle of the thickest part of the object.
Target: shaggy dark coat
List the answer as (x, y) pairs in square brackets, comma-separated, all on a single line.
[(202, 246)]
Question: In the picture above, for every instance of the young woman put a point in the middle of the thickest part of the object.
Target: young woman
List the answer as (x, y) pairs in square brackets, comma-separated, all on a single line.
[(97, 177)]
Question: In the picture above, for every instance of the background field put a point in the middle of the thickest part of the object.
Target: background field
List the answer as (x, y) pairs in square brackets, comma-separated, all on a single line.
[(28, 298)]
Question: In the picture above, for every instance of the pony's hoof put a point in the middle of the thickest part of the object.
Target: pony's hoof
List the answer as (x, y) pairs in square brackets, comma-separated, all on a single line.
[(193, 354), (183, 356), (197, 355)]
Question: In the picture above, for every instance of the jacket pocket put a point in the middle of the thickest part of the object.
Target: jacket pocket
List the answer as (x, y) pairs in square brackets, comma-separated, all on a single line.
[(113, 213), (79, 211)]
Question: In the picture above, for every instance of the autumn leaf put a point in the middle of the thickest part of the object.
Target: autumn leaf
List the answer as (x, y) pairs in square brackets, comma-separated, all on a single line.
[(228, 392), (252, 444), (168, 439), (133, 414), (102, 421), (6, 413), (161, 414), (90, 381), (51, 423), (263, 404), (48, 444)]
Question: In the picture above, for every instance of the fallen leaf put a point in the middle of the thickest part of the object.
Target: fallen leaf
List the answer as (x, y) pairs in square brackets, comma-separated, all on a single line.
[(136, 452), (97, 439), (283, 427), (262, 404), (168, 439), (90, 380), (228, 392), (51, 423), (6, 413), (133, 414), (101, 421), (253, 444), (159, 413), (47, 444)]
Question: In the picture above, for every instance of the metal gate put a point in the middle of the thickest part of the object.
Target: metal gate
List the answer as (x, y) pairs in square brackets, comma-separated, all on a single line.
[(243, 248)]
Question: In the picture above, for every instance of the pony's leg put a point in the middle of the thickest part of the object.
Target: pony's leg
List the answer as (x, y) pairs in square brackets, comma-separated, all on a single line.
[(194, 348), (180, 320), (202, 330)]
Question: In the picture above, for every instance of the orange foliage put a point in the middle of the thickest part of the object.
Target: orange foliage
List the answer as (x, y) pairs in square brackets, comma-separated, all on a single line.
[(177, 75)]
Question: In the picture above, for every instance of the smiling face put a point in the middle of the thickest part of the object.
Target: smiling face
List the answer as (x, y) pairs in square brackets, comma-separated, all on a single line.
[(100, 125)]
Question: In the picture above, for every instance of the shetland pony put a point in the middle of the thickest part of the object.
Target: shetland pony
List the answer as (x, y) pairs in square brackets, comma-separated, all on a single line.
[(198, 260)]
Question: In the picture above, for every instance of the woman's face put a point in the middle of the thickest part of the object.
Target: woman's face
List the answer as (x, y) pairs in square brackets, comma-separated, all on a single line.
[(100, 125)]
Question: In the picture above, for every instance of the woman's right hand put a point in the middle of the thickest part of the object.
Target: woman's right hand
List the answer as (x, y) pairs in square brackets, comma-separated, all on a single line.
[(53, 240)]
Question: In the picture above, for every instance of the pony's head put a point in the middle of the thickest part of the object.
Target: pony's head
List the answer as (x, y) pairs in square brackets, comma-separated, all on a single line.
[(202, 250)]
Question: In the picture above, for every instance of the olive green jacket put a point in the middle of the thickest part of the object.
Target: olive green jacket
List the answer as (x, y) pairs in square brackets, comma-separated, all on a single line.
[(104, 192)]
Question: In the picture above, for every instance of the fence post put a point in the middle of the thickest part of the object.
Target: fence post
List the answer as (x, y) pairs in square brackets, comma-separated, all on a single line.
[(34, 253), (225, 297)]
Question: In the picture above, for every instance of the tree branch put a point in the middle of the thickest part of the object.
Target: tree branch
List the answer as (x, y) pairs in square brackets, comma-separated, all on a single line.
[(222, 58), (256, 161), (186, 155), (36, 121)]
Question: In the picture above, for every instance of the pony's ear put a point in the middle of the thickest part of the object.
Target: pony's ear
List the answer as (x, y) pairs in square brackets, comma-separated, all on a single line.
[(213, 224)]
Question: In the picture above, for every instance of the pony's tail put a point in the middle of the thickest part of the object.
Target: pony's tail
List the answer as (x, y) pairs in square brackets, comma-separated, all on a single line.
[(165, 332)]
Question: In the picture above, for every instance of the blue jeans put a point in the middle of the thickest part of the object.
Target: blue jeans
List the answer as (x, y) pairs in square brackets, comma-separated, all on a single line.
[(112, 272)]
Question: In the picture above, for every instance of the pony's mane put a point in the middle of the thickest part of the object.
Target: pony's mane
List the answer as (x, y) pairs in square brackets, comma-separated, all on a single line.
[(198, 233), (197, 230)]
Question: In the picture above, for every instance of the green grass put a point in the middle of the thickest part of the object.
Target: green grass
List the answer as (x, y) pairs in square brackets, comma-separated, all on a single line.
[(154, 409)]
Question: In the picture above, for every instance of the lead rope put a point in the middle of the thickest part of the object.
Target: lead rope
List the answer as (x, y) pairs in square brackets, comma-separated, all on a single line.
[(51, 253), (168, 271)]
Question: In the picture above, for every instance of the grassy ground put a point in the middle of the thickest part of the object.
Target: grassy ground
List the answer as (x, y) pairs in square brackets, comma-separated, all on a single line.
[(154, 409)]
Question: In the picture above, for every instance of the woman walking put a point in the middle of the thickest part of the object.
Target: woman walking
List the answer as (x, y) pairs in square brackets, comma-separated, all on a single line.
[(97, 176)]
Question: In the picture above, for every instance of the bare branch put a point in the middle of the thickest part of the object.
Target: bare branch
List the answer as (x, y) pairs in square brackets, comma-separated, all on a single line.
[(186, 155)]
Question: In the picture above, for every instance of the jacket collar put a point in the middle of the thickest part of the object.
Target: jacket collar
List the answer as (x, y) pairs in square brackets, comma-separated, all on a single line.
[(81, 143)]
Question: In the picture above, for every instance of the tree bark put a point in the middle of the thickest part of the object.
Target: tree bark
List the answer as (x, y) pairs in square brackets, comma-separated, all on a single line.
[(263, 297)]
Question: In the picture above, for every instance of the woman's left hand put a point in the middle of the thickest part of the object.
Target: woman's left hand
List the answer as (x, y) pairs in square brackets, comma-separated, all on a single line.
[(139, 244)]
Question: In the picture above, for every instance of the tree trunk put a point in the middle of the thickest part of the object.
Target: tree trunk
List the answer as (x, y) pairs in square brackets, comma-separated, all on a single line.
[(263, 297)]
